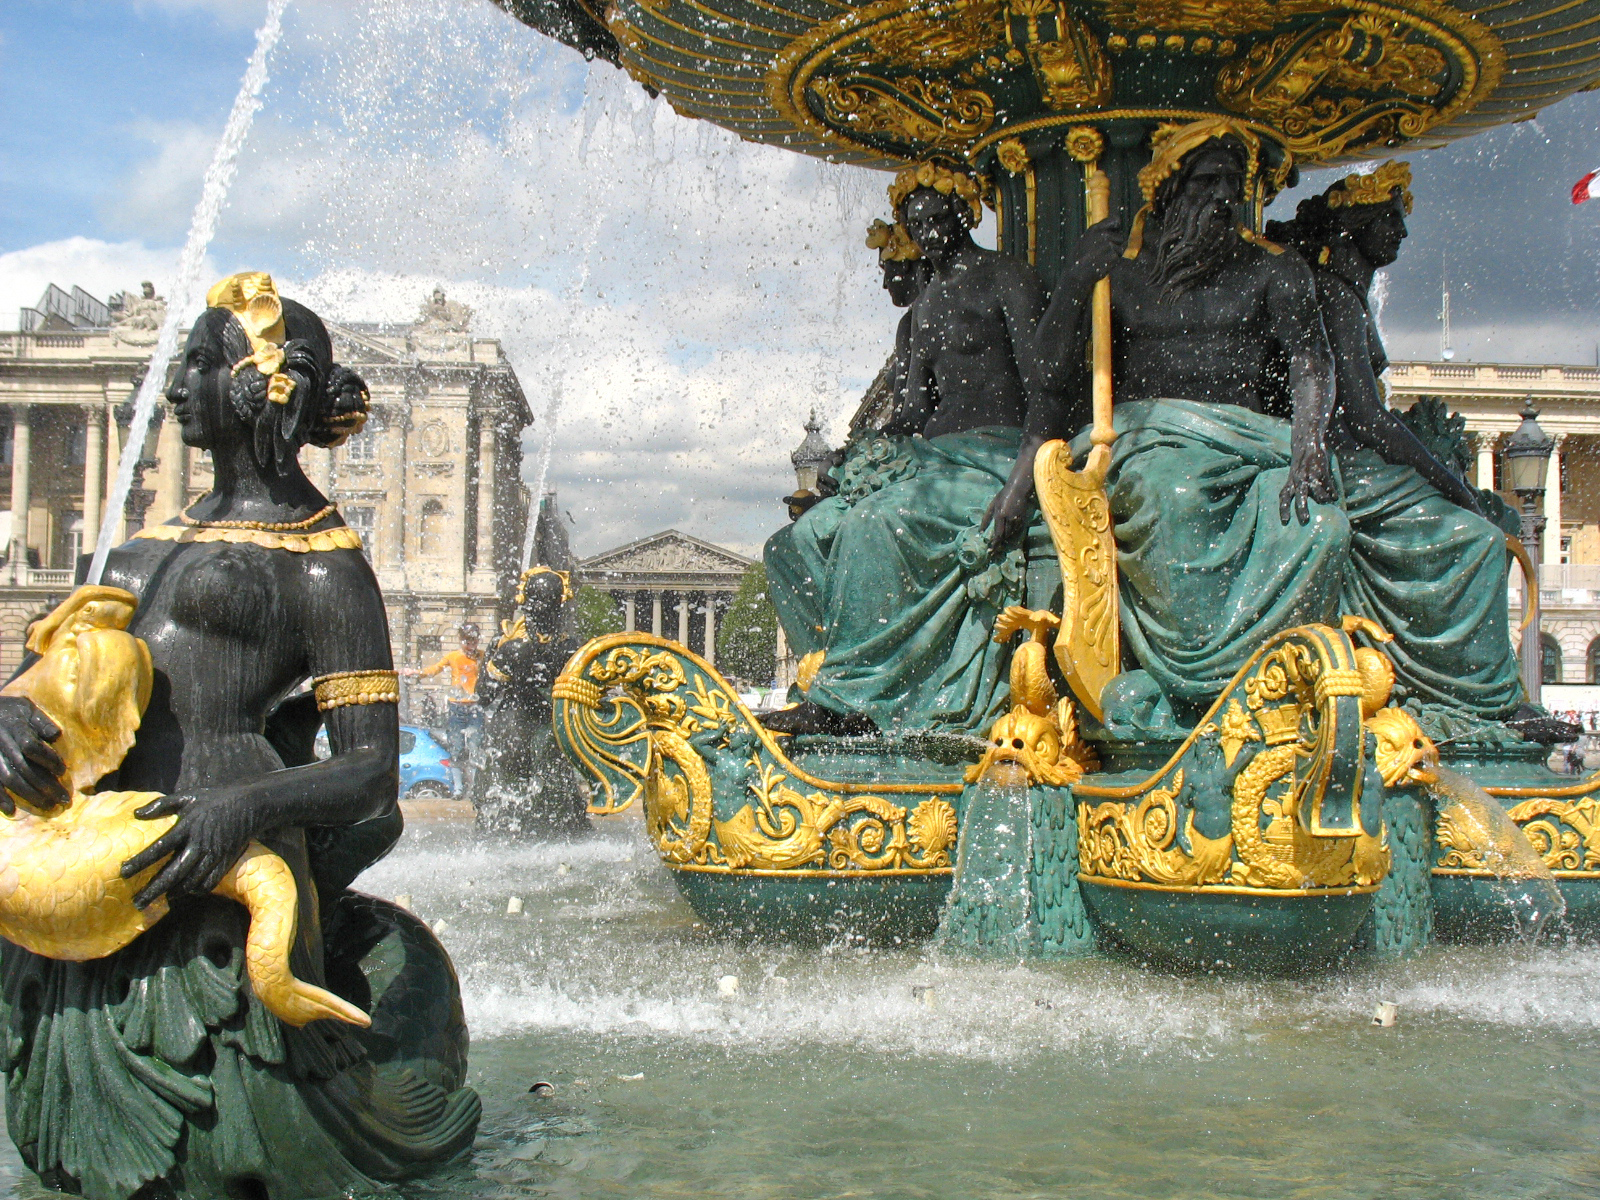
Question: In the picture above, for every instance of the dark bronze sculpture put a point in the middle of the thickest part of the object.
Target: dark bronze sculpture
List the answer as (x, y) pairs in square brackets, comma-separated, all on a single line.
[(1210, 321), (523, 784), (155, 1070), (898, 578)]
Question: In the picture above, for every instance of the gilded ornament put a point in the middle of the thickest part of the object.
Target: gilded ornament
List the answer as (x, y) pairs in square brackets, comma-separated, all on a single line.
[(1225, 17), (1375, 188), (1085, 143), (1040, 733), (253, 299), (1566, 834), (1012, 155), (65, 895), (942, 180), (345, 688), (341, 538), (893, 244), (1070, 69), (564, 576), (928, 112), (315, 518), (640, 712), (1236, 729), (1401, 751)]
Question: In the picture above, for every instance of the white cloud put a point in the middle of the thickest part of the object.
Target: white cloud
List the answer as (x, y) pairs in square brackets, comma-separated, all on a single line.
[(99, 267)]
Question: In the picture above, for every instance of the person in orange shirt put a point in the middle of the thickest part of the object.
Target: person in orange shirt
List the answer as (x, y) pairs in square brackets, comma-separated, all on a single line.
[(463, 719)]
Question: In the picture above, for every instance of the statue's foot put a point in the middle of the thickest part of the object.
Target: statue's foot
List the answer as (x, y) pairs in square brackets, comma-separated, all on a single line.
[(1538, 726), (809, 717)]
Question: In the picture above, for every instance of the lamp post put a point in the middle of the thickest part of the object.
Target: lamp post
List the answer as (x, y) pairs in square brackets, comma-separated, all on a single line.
[(1527, 459)]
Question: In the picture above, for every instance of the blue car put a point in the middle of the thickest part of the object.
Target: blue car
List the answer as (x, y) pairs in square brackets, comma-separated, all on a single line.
[(425, 770)]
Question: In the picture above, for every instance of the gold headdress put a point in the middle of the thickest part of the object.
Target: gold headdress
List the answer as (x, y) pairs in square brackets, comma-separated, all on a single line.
[(564, 576), (1376, 188), (942, 180), (892, 242), (253, 298), (1170, 144)]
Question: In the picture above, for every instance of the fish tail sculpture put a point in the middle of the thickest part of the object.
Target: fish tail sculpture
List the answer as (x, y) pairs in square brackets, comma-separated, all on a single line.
[(62, 894)]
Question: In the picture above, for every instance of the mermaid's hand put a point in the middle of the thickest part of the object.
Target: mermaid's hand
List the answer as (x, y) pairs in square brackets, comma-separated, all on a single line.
[(30, 768), (213, 829)]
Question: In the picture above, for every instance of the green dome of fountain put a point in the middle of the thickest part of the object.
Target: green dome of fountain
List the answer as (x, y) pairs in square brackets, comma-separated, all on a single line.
[(882, 83)]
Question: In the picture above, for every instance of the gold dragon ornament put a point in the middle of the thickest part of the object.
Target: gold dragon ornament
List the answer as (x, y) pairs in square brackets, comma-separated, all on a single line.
[(1040, 733), (62, 894)]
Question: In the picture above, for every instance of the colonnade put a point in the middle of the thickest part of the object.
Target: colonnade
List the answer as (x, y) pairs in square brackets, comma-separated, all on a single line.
[(669, 614), (1488, 445), (102, 451)]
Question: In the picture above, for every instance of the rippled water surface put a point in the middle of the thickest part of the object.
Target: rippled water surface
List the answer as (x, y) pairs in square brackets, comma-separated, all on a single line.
[(823, 1076)]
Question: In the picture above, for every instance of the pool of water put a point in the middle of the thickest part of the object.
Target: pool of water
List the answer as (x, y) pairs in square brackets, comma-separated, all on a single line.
[(824, 1074)]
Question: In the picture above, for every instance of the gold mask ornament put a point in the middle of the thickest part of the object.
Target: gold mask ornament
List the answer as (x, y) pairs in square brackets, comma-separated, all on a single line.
[(252, 297)]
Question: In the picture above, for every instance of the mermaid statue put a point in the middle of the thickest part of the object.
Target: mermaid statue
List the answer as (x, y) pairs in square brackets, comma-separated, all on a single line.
[(177, 1056)]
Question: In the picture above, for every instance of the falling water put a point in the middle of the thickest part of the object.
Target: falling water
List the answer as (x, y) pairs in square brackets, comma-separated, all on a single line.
[(185, 292), (1524, 883)]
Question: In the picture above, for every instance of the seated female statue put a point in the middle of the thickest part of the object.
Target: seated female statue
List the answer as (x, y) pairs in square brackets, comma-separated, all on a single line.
[(155, 1071), (896, 580)]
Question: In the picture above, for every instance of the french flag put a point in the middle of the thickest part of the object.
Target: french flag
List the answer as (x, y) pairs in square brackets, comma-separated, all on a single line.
[(1585, 188)]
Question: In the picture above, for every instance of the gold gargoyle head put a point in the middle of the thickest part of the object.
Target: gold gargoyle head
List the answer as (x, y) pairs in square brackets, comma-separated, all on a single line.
[(1403, 754), (1034, 743)]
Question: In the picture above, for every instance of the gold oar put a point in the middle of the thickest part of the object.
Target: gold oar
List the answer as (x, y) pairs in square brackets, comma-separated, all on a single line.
[(1089, 642)]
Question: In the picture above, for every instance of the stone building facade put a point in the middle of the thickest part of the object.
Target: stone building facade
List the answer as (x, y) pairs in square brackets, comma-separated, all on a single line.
[(671, 584), (433, 483)]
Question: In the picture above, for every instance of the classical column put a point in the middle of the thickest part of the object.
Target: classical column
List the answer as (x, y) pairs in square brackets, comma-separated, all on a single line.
[(94, 440), (1552, 506), (683, 619), (628, 614), (174, 486), (711, 630), (655, 613), (113, 458), (1486, 444), (780, 669), (21, 470), (483, 559)]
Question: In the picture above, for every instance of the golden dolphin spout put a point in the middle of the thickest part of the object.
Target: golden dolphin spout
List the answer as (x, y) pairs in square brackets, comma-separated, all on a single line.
[(62, 894)]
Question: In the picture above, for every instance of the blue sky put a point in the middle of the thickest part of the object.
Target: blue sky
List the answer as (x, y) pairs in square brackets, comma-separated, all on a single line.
[(684, 298)]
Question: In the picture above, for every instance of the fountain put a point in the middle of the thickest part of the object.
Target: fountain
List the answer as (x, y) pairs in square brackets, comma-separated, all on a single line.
[(1250, 794)]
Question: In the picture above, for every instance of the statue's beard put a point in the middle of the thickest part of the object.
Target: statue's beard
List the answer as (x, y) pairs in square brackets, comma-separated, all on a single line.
[(1190, 244)]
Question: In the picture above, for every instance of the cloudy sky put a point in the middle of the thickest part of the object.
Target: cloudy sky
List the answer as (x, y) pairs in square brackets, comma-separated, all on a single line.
[(677, 299)]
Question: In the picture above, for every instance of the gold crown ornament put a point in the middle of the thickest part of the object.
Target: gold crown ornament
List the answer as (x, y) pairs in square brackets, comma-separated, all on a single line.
[(942, 180), (252, 297), (892, 243), (1377, 188), (564, 576)]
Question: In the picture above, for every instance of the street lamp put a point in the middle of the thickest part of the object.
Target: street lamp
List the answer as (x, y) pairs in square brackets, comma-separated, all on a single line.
[(1527, 460)]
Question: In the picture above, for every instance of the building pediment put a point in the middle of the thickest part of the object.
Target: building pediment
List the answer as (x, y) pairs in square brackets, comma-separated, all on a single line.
[(665, 553)]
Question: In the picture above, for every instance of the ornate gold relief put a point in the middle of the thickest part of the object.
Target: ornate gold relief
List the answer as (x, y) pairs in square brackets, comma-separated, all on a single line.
[(1068, 64), (1226, 18), (1375, 77), (1565, 833), (647, 718), (931, 113), (1289, 730), (1040, 733)]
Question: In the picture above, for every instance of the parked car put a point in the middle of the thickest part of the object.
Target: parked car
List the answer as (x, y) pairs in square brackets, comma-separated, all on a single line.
[(425, 769)]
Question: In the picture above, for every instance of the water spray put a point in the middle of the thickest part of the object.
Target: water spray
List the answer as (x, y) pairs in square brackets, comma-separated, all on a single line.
[(185, 292)]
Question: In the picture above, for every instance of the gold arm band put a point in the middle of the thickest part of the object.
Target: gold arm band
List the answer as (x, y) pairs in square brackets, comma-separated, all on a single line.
[(356, 687)]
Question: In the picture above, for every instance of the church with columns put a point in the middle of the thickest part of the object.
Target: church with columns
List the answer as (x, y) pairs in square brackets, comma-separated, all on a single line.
[(433, 483)]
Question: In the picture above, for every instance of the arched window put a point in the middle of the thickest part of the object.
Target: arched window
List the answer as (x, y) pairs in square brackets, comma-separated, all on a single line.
[(1594, 661), (1551, 672)]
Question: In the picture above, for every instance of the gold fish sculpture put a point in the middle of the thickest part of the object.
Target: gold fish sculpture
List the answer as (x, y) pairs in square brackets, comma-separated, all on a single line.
[(62, 894)]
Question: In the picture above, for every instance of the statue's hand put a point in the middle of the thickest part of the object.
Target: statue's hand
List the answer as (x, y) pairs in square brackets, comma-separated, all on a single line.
[(1098, 250), (1310, 478), (214, 828), (30, 768), (1007, 513)]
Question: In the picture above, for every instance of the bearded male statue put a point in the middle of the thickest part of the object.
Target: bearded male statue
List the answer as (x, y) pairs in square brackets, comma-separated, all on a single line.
[(1233, 524)]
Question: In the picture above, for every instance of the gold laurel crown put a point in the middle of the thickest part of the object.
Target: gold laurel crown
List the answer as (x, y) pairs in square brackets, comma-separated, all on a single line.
[(892, 242), (1377, 188), (253, 298), (942, 180)]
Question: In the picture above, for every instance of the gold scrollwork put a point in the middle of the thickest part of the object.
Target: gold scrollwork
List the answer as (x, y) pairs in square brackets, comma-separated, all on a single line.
[(633, 708), (1371, 78), (1566, 834), (931, 112), (1226, 18)]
